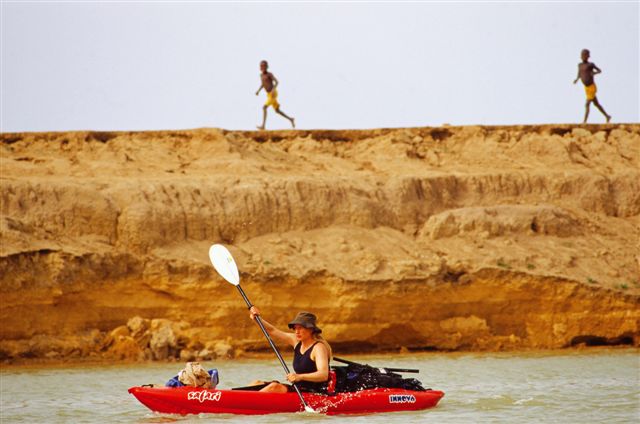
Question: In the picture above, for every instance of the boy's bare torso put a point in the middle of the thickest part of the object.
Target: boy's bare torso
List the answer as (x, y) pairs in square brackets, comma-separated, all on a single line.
[(267, 81), (585, 70)]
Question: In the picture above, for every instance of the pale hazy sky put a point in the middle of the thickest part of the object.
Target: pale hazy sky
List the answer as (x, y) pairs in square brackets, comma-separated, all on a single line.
[(176, 65)]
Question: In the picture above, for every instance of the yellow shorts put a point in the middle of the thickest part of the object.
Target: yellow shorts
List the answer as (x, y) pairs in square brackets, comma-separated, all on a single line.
[(272, 99), (590, 91)]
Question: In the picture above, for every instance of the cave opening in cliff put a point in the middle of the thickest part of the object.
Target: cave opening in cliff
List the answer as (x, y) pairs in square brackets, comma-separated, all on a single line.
[(589, 340)]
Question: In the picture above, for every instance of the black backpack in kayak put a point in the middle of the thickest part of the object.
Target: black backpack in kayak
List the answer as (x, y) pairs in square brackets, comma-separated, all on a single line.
[(354, 377)]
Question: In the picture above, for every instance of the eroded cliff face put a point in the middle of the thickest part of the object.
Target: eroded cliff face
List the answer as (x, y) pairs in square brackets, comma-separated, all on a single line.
[(421, 238)]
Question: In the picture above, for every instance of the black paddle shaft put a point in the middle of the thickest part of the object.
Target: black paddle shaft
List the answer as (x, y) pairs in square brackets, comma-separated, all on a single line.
[(273, 346)]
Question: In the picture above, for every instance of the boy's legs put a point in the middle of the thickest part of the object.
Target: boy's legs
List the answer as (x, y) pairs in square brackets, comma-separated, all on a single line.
[(264, 117), (601, 109), (279, 112), (586, 111)]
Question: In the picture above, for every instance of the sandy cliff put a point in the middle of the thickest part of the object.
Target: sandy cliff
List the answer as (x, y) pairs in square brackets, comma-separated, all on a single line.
[(423, 238)]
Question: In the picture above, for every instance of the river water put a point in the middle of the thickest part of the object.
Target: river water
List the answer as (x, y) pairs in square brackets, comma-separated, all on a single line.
[(588, 386)]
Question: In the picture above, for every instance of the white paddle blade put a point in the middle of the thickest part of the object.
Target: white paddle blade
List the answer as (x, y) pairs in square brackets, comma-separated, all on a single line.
[(223, 263)]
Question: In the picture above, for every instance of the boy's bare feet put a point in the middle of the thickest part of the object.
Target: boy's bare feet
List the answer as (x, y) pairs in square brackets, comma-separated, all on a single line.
[(608, 118), (260, 127)]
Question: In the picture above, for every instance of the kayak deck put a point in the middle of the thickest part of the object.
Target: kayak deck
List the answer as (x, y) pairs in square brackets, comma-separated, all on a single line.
[(193, 400)]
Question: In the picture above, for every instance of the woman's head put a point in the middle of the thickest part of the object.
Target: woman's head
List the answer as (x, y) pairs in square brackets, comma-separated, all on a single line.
[(304, 326)]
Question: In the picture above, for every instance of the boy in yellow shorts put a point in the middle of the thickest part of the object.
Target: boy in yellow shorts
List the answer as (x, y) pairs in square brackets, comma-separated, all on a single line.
[(269, 83), (586, 71)]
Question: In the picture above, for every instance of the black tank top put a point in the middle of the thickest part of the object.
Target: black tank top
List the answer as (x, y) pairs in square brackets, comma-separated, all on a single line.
[(303, 364)]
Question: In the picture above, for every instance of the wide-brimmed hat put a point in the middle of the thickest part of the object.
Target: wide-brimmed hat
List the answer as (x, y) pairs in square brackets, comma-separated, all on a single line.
[(307, 320)]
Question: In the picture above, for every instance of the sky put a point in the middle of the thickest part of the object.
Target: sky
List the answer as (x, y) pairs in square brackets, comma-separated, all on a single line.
[(180, 65)]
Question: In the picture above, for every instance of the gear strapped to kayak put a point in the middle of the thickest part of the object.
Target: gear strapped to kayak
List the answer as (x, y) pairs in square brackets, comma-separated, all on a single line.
[(194, 375), (355, 377)]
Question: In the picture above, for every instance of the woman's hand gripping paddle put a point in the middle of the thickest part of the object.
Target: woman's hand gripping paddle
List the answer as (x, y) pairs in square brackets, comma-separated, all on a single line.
[(225, 265)]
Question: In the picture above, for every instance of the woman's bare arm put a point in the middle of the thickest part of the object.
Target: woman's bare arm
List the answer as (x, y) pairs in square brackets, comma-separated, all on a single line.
[(277, 335)]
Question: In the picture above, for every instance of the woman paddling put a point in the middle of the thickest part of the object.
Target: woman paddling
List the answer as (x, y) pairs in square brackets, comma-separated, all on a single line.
[(310, 358)]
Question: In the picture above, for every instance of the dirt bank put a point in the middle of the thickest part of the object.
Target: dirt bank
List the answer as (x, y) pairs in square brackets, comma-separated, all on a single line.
[(452, 238)]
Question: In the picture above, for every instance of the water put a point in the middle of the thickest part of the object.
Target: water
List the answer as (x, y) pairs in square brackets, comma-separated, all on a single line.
[(592, 386)]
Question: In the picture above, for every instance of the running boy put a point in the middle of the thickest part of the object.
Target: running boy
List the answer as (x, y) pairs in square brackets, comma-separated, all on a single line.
[(269, 83), (586, 71)]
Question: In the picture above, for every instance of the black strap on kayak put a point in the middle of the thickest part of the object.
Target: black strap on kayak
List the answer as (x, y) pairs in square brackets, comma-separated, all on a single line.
[(344, 361), (254, 388)]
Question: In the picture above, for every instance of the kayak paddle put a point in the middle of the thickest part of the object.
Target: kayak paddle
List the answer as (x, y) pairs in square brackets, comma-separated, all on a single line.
[(225, 266)]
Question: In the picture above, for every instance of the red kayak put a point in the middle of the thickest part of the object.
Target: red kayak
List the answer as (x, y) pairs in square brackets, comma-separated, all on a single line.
[(192, 400)]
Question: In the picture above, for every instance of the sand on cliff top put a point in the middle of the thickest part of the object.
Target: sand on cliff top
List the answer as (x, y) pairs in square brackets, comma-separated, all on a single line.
[(554, 199)]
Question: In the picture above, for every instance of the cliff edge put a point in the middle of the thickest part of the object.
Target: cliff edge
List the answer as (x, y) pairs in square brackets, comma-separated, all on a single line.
[(447, 238)]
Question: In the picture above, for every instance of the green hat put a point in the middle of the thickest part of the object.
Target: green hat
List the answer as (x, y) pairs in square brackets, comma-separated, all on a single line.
[(307, 320)]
